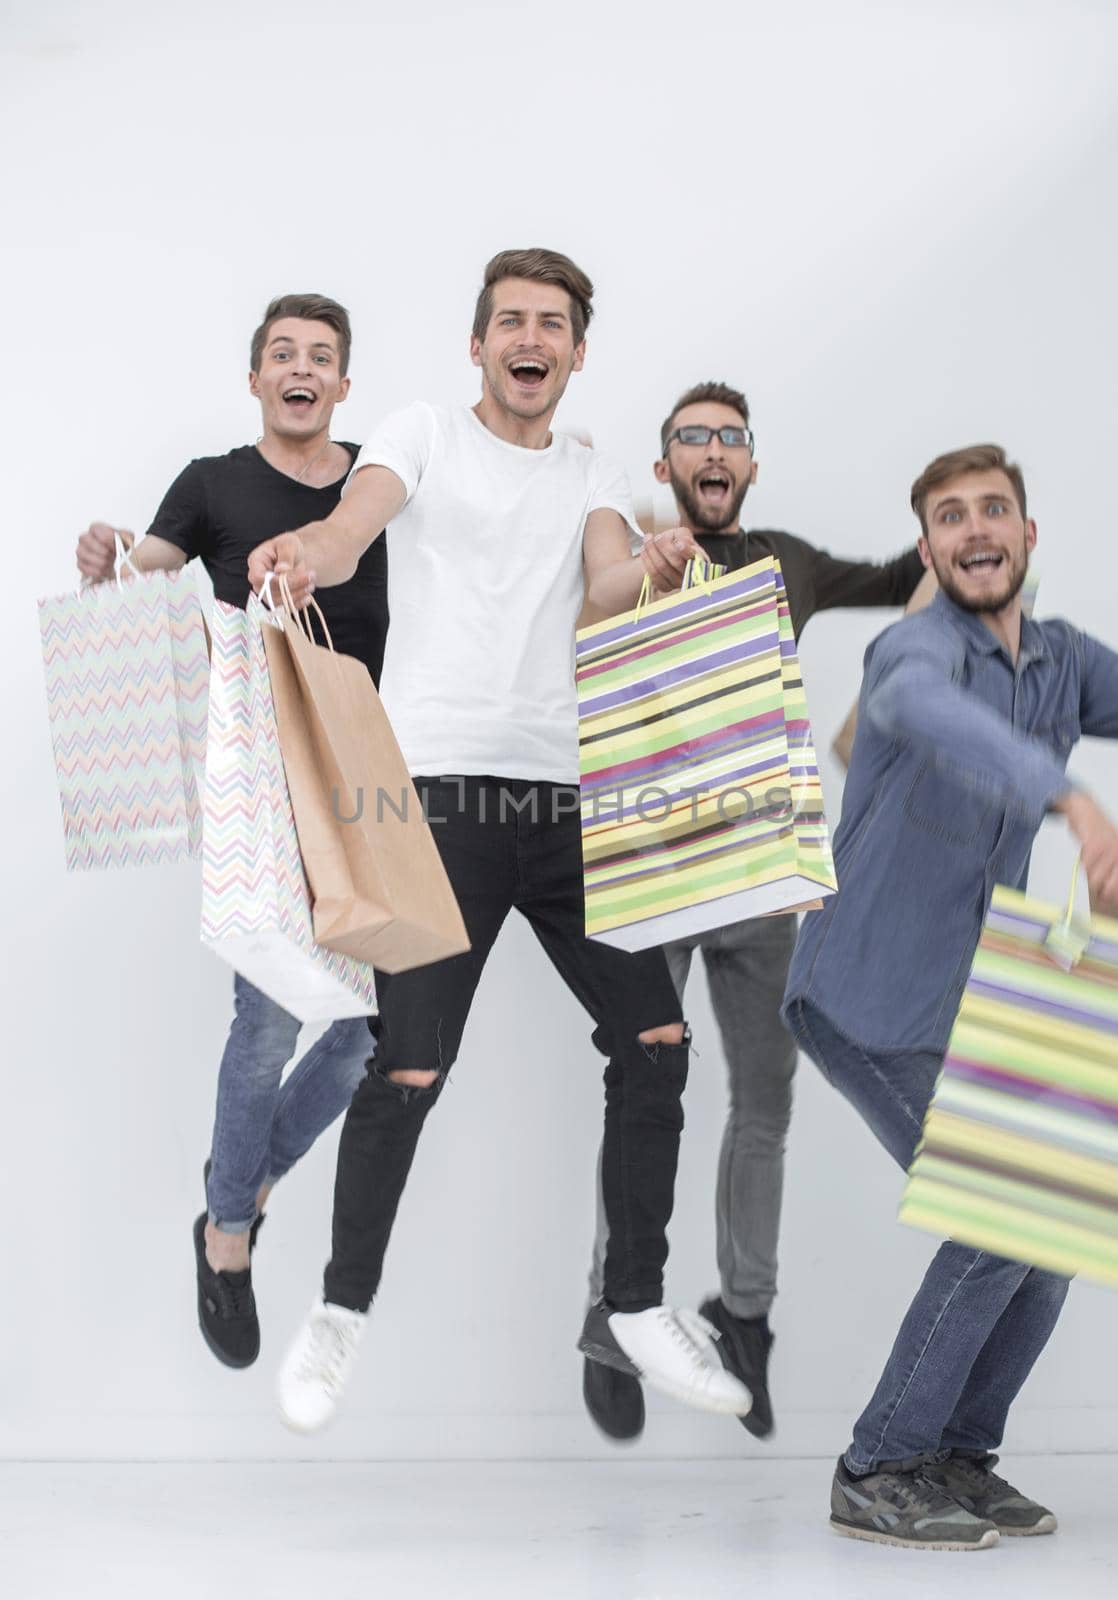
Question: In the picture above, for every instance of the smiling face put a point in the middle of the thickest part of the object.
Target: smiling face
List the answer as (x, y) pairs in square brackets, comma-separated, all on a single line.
[(709, 481), (976, 540), (528, 352), (300, 381)]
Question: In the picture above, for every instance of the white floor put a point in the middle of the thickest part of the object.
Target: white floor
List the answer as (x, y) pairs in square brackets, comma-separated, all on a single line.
[(626, 1530)]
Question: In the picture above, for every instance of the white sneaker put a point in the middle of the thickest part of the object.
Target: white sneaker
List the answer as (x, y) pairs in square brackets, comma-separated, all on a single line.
[(317, 1366), (674, 1352)]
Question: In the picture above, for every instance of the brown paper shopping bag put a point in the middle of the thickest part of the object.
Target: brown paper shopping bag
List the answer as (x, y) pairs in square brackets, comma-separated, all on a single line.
[(380, 890)]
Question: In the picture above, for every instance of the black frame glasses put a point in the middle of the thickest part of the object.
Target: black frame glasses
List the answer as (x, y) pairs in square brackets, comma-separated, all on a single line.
[(698, 433)]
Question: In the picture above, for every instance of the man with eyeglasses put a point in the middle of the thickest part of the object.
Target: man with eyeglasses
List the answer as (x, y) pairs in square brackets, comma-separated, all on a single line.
[(707, 456)]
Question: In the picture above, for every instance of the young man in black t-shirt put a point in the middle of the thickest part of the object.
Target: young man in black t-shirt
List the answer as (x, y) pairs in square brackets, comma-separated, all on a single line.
[(707, 458), (219, 508)]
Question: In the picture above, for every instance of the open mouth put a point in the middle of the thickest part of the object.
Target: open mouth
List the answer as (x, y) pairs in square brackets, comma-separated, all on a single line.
[(981, 562), (299, 400), (532, 374), (714, 486)]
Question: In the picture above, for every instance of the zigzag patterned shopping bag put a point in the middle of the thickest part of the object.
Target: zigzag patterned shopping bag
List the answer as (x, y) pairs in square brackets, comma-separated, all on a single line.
[(127, 678), (1019, 1154), (700, 792), (256, 906)]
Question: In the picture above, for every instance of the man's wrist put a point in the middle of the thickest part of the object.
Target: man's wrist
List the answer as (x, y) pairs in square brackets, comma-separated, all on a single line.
[(1072, 803)]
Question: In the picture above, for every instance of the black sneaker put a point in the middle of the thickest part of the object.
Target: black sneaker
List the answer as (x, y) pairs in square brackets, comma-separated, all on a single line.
[(906, 1509), (972, 1481), (226, 1307), (744, 1347), (614, 1399), (597, 1342)]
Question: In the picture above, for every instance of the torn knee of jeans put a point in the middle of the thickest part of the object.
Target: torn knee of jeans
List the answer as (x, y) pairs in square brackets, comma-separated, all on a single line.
[(413, 1078), (409, 1081), (670, 1033)]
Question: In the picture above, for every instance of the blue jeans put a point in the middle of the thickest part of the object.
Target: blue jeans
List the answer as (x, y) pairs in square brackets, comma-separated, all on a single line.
[(263, 1126), (978, 1322)]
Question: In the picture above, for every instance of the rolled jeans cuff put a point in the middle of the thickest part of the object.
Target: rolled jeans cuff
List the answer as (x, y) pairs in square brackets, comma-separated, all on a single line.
[(908, 1464), (231, 1227)]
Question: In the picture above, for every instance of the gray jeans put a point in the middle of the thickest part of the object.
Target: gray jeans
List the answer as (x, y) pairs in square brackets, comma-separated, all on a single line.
[(747, 967)]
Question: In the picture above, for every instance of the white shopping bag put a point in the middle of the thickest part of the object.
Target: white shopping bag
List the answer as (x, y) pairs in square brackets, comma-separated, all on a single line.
[(256, 907)]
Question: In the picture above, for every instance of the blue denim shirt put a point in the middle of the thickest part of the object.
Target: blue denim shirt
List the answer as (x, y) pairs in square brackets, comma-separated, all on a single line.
[(957, 758)]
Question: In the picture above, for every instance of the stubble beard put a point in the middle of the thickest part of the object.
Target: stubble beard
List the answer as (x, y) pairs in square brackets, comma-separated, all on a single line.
[(706, 519), (988, 607)]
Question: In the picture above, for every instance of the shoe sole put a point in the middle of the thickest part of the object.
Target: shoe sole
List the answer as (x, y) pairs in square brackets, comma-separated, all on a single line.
[(757, 1429), (608, 1433), (676, 1391), (697, 1402), (608, 1356), (1046, 1524), (237, 1363), (301, 1427), (871, 1536)]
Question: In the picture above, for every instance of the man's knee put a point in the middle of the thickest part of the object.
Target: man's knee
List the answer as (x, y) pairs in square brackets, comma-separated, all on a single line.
[(670, 1033), (411, 1078)]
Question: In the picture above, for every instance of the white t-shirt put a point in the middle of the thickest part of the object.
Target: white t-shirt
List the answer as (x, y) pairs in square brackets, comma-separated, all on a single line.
[(485, 584)]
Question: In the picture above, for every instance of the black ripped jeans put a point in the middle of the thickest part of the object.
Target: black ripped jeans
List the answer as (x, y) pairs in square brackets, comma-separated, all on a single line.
[(509, 843)]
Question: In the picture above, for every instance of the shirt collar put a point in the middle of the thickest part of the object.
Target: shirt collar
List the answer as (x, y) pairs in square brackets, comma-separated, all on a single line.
[(979, 637)]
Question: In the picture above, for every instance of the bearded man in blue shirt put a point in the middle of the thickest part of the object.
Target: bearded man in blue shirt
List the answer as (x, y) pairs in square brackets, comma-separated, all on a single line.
[(967, 716)]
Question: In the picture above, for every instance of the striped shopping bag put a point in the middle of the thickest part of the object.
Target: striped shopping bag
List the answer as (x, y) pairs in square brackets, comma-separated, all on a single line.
[(256, 906), (1019, 1154), (700, 795), (127, 678), (813, 837)]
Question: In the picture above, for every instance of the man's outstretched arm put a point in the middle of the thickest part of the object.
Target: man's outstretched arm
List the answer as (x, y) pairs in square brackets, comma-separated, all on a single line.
[(326, 553), (614, 576), (911, 693)]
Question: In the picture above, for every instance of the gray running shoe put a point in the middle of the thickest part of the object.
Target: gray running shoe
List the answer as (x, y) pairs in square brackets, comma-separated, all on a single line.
[(906, 1509), (972, 1481)]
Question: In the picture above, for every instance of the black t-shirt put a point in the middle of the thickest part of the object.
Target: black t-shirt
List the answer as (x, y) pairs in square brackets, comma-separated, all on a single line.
[(220, 508), (815, 580)]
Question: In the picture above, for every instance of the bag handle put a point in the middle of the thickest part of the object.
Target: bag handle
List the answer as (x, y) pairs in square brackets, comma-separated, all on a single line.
[(288, 608), (1067, 940), (696, 575), (124, 560)]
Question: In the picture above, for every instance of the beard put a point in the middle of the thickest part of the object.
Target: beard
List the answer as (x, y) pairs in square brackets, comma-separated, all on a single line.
[(708, 519), (1016, 570)]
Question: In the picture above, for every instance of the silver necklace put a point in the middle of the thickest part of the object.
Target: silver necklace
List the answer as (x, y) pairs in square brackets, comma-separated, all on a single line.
[(297, 477)]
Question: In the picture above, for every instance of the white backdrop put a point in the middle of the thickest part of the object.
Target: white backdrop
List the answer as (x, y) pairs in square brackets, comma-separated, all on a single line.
[(893, 224)]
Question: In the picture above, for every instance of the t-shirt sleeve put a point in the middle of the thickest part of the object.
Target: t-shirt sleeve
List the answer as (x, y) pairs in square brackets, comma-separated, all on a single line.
[(403, 442), (610, 490), (839, 582), (183, 515)]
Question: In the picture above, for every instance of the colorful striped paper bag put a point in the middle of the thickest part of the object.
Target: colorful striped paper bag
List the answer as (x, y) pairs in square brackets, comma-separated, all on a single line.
[(699, 787), (1019, 1154), (813, 837), (127, 678), (256, 907)]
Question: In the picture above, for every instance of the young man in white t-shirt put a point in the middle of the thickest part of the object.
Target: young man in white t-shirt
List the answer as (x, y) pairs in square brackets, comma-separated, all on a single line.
[(497, 527)]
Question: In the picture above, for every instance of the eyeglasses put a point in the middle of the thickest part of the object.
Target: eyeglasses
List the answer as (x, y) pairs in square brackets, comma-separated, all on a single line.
[(696, 433)]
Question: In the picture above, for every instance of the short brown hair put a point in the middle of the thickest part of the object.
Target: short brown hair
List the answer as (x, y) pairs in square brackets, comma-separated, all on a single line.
[(540, 266), (720, 393), (308, 308), (973, 458)]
